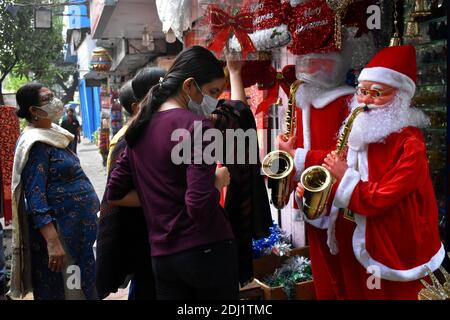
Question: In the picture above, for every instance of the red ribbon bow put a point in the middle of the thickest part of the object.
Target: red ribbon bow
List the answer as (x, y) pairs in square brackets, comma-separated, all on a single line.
[(224, 25), (282, 79)]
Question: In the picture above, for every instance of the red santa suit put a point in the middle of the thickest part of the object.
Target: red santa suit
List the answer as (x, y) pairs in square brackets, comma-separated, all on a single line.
[(317, 127), (388, 188)]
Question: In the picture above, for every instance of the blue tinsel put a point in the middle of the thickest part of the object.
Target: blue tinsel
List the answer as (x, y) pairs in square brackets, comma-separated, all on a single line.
[(261, 245)]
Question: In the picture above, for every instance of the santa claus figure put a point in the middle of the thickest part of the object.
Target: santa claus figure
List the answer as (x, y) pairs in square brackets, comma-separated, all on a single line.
[(322, 102), (387, 227)]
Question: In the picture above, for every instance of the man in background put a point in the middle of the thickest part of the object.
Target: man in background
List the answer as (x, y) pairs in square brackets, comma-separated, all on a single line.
[(71, 124)]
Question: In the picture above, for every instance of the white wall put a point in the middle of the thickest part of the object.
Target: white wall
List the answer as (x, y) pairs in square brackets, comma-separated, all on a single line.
[(84, 53)]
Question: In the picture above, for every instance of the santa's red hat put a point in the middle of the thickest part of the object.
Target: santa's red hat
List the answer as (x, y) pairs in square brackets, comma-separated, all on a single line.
[(394, 66)]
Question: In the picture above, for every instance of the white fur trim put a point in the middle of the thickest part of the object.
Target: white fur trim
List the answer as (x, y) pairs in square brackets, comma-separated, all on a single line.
[(346, 187), (306, 111), (363, 256), (331, 232), (390, 77), (319, 223), (299, 161), (329, 96), (262, 39), (295, 3), (363, 164)]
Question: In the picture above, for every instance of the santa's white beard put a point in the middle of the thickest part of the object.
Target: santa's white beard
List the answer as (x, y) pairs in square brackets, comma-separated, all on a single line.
[(306, 94), (379, 122)]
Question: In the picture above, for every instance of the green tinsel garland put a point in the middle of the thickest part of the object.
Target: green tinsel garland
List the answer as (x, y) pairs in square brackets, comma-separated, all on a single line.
[(294, 270)]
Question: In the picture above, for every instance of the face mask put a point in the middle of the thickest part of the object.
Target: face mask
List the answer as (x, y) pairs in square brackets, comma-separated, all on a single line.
[(206, 107), (54, 109), (322, 70)]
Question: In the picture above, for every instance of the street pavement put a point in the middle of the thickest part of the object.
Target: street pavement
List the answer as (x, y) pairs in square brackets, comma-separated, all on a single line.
[(91, 162)]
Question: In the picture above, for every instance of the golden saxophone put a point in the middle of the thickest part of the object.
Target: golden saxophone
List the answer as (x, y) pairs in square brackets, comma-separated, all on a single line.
[(317, 180), (278, 165)]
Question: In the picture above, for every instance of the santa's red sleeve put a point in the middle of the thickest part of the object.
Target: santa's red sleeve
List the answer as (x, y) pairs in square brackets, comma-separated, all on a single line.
[(369, 197)]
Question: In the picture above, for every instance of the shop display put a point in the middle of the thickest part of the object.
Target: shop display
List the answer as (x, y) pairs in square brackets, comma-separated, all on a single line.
[(272, 36), (9, 134), (116, 114), (431, 91)]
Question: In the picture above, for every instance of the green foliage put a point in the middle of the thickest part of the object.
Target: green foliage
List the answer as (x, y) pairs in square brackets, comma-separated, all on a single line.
[(33, 53), (295, 270), (23, 124), (95, 136), (13, 82)]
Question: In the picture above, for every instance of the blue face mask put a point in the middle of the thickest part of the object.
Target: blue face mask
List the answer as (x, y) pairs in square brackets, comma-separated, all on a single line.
[(206, 107)]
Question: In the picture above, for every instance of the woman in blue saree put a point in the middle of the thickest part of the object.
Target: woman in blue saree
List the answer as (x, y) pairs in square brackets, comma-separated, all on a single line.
[(55, 207)]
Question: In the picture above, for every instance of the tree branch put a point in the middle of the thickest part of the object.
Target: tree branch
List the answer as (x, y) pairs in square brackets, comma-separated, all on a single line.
[(60, 82), (9, 69)]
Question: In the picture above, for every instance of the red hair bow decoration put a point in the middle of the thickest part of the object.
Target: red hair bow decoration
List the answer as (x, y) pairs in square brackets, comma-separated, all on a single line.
[(224, 25), (282, 79)]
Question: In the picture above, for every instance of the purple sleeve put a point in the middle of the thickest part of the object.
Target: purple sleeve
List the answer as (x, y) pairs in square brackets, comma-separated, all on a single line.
[(201, 196), (120, 180)]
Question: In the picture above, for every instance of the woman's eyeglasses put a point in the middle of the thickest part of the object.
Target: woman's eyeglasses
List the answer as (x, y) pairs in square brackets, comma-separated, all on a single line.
[(46, 97)]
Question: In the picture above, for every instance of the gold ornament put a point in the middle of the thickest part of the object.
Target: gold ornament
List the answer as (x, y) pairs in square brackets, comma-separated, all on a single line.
[(436, 290), (339, 7), (412, 29), (419, 10), (101, 61), (395, 40)]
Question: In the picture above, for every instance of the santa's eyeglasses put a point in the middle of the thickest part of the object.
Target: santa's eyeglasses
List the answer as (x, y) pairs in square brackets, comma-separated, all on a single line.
[(374, 93)]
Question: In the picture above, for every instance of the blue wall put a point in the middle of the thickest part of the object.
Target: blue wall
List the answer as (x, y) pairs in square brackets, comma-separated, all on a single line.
[(90, 108), (75, 21)]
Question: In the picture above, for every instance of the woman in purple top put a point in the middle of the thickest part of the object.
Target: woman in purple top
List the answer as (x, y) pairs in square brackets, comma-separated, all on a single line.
[(192, 245)]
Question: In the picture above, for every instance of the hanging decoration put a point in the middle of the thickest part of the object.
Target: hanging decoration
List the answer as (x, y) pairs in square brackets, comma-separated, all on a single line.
[(270, 25), (224, 24), (316, 26), (101, 61), (312, 26), (395, 40), (420, 9), (175, 17), (278, 79), (339, 7)]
